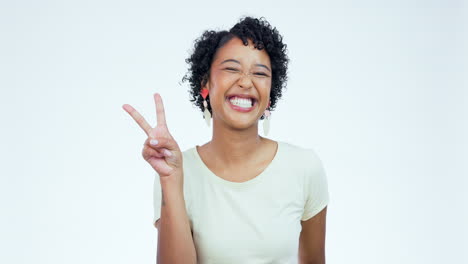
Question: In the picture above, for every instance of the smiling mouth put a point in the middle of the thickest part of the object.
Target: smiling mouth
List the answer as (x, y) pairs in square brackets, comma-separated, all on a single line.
[(242, 104)]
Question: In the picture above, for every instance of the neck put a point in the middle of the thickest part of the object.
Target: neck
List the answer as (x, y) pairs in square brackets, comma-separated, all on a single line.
[(232, 147)]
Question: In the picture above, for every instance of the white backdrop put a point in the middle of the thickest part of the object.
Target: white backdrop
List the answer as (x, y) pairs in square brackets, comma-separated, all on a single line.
[(377, 88)]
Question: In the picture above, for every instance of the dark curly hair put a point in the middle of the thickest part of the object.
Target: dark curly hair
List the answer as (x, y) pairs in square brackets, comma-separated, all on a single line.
[(263, 36)]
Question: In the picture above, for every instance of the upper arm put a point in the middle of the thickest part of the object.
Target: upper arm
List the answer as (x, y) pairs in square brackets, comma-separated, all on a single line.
[(312, 239)]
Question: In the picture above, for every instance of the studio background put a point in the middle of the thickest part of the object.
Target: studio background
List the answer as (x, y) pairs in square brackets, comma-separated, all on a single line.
[(377, 88)]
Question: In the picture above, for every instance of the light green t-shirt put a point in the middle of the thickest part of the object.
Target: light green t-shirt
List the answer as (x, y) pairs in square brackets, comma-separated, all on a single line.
[(257, 221)]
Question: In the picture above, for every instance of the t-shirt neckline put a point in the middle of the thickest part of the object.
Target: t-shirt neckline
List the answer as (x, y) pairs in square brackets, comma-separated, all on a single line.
[(252, 181)]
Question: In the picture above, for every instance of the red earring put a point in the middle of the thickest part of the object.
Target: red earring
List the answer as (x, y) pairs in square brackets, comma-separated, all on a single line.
[(206, 113), (204, 93)]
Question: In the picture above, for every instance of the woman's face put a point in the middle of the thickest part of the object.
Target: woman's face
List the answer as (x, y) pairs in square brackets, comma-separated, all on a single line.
[(239, 70)]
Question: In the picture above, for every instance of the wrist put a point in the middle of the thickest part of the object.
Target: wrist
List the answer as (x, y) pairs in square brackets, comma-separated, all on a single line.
[(176, 179)]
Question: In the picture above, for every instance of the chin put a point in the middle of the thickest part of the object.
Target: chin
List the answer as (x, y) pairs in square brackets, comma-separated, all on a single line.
[(243, 124)]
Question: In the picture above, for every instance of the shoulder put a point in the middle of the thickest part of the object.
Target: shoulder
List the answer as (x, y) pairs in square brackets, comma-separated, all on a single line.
[(189, 155), (192, 162), (304, 160), (307, 155)]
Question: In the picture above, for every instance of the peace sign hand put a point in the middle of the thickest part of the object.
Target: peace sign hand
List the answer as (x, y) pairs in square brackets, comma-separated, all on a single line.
[(165, 157)]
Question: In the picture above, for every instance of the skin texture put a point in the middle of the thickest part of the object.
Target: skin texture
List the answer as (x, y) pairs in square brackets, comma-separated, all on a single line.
[(236, 146), (175, 240), (312, 239), (258, 31), (235, 139)]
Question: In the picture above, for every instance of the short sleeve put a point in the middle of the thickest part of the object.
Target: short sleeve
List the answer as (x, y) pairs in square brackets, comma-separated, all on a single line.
[(157, 195), (316, 186)]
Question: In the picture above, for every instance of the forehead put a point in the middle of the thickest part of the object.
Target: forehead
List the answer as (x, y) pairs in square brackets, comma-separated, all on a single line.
[(235, 49)]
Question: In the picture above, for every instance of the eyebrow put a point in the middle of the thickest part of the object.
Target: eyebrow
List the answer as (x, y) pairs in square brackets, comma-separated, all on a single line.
[(236, 61)]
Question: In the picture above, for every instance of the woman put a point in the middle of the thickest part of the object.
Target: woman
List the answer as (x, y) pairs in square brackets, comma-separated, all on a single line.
[(241, 197)]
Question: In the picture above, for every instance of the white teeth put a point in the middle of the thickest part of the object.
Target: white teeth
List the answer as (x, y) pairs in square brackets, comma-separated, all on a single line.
[(242, 102)]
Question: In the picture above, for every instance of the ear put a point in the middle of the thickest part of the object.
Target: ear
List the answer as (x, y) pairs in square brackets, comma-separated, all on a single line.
[(207, 84)]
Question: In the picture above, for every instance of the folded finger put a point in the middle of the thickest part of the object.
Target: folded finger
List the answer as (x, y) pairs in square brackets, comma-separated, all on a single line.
[(151, 152), (158, 146)]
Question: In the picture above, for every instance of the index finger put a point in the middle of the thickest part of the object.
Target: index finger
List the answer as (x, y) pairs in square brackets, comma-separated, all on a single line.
[(160, 114), (138, 118)]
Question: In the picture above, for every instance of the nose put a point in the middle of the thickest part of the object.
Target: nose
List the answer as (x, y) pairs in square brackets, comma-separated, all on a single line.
[(245, 81)]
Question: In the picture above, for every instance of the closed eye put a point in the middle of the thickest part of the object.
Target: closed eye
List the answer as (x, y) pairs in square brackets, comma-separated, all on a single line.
[(257, 73)]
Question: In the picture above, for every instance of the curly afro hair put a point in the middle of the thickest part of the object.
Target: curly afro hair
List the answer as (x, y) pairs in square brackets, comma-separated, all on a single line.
[(263, 36)]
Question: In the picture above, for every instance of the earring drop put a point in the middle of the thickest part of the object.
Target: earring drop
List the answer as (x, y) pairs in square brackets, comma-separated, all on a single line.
[(266, 121), (206, 113)]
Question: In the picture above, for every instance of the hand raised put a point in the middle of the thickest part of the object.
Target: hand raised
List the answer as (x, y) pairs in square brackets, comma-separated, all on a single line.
[(165, 157)]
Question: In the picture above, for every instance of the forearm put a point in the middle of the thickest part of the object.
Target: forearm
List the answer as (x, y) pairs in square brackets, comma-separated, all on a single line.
[(175, 242)]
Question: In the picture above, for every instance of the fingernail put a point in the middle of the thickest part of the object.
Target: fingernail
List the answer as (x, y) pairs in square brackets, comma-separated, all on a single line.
[(153, 142), (168, 153)]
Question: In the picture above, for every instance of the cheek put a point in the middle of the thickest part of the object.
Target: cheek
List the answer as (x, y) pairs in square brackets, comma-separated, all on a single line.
[(224, 80), (218, 92), (219, 86), (264, 85)]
